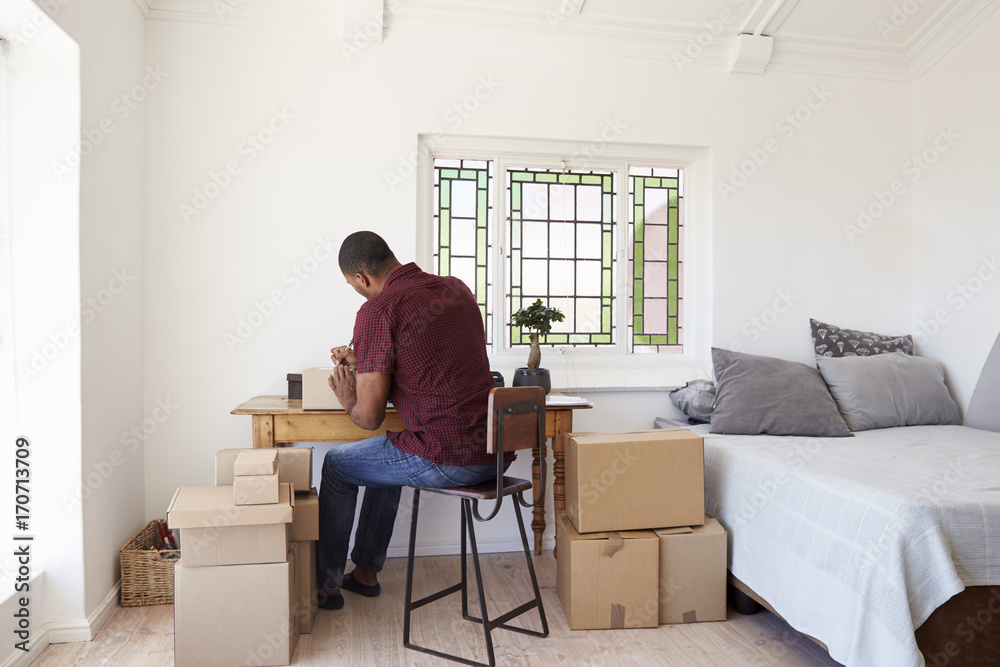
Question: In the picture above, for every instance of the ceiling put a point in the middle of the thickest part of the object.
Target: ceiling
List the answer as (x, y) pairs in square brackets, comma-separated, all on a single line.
[(882, 39)]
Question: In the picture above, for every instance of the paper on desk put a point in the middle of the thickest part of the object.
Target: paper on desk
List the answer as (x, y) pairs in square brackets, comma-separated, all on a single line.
[(559, 399)]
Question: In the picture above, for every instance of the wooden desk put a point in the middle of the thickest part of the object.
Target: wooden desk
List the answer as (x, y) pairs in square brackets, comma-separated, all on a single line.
[(278, 420)]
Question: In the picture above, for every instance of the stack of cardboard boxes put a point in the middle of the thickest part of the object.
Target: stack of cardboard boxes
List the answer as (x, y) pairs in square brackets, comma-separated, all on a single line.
[(634, 549), (244, 588)]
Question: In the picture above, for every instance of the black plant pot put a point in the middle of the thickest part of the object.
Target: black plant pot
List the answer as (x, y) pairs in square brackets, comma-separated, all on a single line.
[(524, 377)]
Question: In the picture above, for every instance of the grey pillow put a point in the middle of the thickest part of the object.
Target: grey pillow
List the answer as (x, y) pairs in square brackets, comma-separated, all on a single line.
[(889, 390), (757, 394), (695, 399), (831, 341)]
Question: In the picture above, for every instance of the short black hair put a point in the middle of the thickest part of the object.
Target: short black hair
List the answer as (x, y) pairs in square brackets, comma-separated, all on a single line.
[(365, 252)]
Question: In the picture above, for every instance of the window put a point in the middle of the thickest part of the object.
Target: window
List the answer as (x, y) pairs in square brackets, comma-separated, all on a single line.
[(603, 238)]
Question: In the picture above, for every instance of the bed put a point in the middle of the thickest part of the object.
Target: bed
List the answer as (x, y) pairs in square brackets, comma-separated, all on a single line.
[(856, 541), (872, 523)]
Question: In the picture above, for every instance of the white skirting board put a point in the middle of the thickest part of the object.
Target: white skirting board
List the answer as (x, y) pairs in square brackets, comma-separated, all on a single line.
[(66, 631)]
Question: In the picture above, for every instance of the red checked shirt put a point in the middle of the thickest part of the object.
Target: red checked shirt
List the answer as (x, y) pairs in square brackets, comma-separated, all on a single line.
[(427, 332)]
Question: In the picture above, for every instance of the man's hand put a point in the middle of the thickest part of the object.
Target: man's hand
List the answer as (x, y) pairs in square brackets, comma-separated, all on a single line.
[(344, 385), (343, 355)]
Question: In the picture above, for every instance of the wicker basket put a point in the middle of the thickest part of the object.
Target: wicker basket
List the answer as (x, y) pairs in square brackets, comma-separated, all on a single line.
[(147, 577)]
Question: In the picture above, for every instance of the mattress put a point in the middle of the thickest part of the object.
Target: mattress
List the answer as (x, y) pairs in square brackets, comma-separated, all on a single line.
[(856, 541)]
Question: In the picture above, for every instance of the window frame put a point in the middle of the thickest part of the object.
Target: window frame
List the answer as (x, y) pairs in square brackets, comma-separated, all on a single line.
[(589, 367)]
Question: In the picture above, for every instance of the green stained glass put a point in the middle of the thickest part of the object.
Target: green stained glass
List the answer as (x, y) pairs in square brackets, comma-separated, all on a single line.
[(563, 269), (655, 231), (463, 219)]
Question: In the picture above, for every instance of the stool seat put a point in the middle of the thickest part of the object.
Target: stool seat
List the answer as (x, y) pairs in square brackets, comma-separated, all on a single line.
[(484, 491)]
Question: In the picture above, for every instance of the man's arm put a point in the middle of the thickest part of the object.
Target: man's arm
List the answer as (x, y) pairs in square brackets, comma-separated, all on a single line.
[(363, 395)]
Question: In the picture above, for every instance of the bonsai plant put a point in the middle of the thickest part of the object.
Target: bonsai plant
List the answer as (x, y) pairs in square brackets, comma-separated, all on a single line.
[(537, 319)]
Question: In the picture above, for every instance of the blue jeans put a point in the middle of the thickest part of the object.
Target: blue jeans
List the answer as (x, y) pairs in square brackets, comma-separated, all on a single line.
[(381, 468)]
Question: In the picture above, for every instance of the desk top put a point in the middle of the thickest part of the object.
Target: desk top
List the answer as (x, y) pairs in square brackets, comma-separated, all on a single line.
[(282, 405)]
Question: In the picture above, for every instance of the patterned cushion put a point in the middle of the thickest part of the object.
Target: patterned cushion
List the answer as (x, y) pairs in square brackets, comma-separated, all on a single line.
[(831, 341)]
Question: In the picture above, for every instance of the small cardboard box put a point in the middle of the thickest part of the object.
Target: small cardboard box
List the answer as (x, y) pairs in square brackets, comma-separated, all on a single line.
[(294, 466), (305, 525), (255, 489), (693, 573), (304, 609), (261, 461), (234, 614), (635, 480), (316, 392), (215, 531), (607, 580)]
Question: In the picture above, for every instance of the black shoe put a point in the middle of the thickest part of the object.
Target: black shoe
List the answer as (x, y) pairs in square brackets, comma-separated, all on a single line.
[(355, 586), (330, 602)]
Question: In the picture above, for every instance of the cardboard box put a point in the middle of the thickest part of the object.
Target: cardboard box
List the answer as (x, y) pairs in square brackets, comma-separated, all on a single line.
[(305, 525), (294, 466), (255, 489), (215, 531), (635, 480), (234, 614), (607, 580), (305, 606), (693, 573), (261, 461), (316, 392)]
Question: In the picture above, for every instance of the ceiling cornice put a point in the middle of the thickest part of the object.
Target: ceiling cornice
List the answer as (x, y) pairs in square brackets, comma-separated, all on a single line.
[(633, 37)]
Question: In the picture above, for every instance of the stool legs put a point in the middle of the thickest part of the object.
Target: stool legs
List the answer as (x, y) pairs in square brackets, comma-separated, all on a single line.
[(468, 538)]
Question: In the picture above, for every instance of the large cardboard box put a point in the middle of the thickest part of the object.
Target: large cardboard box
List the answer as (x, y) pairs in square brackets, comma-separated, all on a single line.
[(635, 480), (215, 531), (306, 604), (294, 466), (255, 489), (607, 580), (234, 614), (305, 525), (693, 573), (316, 392), (261, 461)]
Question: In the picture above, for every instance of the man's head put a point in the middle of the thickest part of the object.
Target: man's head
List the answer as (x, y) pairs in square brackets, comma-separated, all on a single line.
[(366, 261)]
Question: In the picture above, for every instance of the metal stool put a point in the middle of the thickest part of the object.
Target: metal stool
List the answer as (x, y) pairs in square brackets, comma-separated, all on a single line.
[(516, 421)]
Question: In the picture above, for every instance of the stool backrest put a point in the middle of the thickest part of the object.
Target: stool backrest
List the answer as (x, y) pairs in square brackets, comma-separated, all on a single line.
[(522, 411)]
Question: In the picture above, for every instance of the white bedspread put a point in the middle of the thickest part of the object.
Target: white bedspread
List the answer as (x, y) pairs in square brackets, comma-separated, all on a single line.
[(855, 541)]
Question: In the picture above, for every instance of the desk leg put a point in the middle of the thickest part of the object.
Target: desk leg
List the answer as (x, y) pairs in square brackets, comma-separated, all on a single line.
[(564, 425), (538, 513), (263, 430)]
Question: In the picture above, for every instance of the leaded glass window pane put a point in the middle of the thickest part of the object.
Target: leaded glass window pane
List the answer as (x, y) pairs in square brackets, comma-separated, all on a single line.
[(656, 224), (562, 249), (463, 228)]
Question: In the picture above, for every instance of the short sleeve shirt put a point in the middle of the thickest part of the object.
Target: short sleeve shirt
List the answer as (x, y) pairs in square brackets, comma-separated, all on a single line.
[(426, 331)]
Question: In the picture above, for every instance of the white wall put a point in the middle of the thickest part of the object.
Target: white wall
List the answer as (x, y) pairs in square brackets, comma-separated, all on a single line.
[(40, 394), (956, 235), (115, 87), (322, 177), (76, 227)]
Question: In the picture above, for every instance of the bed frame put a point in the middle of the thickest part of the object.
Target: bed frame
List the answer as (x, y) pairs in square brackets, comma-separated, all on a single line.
[(963, 632)]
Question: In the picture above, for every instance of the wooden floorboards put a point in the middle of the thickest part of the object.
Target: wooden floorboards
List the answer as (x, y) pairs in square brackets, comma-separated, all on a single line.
[(369, 631)]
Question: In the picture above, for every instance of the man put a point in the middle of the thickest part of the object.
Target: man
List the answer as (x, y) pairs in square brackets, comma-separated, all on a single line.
[(418, 341)]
